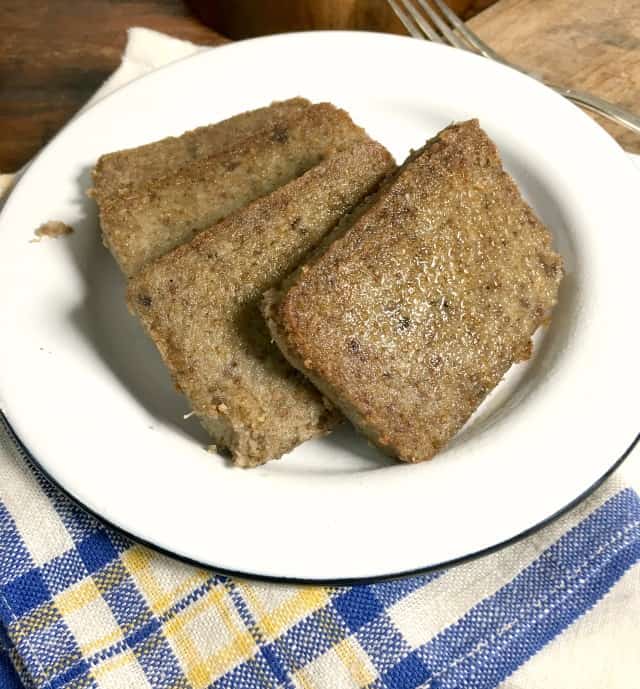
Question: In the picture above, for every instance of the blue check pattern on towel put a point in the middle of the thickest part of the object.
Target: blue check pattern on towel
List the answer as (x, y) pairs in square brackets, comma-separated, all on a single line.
[(82, 606)]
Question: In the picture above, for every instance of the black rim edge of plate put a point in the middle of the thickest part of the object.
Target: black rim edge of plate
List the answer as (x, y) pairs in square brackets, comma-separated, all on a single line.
[(359, 581)]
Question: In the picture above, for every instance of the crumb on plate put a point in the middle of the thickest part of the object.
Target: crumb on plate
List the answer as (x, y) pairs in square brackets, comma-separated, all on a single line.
[(53, 229)]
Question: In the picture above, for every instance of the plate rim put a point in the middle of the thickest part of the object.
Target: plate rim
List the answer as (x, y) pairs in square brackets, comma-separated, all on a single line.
[(23, 450)]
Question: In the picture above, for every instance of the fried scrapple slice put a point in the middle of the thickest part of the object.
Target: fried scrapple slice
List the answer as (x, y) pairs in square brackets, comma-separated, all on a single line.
[(416, 312), (200, 305), (168, 211), (123, 171)]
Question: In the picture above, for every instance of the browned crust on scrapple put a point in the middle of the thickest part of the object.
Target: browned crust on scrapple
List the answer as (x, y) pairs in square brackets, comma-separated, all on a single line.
[(129, 169), (200, 305), (411, 317), (146, 223)]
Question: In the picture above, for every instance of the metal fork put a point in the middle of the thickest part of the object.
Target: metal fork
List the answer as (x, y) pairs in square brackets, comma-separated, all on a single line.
[(422, 20)]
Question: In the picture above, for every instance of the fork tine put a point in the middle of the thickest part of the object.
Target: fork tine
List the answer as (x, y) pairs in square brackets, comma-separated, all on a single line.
[(424, 25), (408, 24), (444, 28), (465, 31)]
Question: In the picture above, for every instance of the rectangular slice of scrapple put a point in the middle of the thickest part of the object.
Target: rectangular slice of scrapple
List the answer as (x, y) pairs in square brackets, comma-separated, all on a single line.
[(416, 312), (129, 169), (200, 305), (145, 223)]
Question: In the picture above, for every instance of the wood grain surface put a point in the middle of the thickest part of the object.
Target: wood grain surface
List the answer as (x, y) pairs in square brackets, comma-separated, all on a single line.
[(54, 53), (592, 45)]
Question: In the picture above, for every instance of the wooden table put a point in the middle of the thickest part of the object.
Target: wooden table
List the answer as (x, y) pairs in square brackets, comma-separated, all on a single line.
[(592, 45), (55, 53)]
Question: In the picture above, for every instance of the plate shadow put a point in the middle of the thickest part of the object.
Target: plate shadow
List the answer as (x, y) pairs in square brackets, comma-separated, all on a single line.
[(103, 320)]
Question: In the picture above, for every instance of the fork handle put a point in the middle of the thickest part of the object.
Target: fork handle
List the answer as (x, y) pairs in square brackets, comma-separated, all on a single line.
[(598, 105), (601, 107)]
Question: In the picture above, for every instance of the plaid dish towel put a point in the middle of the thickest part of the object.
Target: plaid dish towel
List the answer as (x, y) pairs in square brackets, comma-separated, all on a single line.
[(83, 606)]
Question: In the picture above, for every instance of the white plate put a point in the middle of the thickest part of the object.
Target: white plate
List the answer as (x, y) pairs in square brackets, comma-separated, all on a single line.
[(88, 396)]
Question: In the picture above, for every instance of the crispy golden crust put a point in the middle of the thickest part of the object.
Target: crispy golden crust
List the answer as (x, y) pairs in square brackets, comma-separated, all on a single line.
[(200, 304), (123, 171), (143, 224), (417, 311)]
